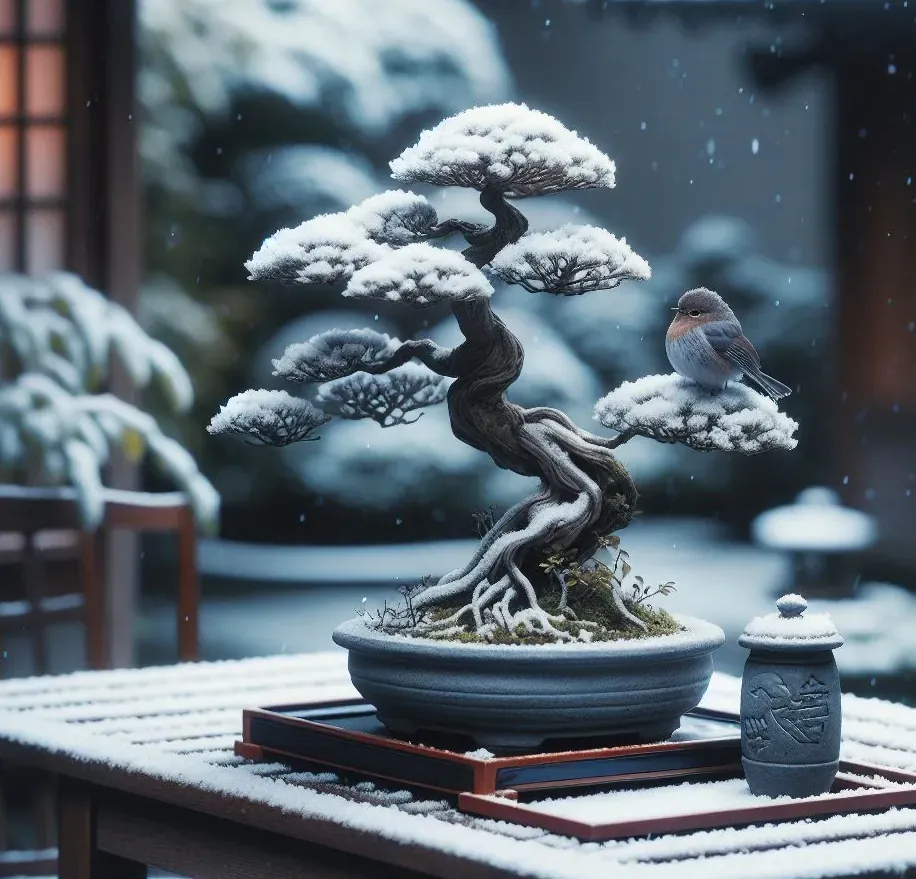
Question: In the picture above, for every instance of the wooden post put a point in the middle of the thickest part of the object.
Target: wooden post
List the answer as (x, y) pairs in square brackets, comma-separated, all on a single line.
[(876, 276), (33, 575), (188, 587), (104, 236), (78, 854), (92, 584), (870, 52)]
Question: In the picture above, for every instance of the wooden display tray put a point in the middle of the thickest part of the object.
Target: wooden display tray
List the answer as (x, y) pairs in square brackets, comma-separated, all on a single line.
[(896, 789), (345, 736)]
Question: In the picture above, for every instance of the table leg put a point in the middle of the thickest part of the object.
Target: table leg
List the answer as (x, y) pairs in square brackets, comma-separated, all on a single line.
[(78, 855)]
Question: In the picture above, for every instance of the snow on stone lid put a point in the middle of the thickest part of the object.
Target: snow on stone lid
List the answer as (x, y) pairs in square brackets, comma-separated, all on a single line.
[(789, 629), (816, 521)]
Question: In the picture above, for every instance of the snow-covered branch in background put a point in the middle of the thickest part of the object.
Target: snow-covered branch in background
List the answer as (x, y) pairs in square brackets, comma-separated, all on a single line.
[(322, 250), (58, 326), (386, 399), (507, 146), (420, 274), (49, 436), (200, 54), (671, 408), (271, 418), (58, 338), (569, 261)]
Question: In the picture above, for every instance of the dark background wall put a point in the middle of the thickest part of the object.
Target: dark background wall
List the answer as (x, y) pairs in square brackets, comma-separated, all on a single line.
[(676, 109)]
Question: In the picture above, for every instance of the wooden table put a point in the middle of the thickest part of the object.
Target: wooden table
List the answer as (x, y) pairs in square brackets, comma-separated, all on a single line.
[(148, 777)]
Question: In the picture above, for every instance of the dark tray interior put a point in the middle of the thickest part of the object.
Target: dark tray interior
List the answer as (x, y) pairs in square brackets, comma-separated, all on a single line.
[(347, 737)]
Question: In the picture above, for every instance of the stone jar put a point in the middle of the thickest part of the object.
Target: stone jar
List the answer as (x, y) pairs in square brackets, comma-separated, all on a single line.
[(790, 702)]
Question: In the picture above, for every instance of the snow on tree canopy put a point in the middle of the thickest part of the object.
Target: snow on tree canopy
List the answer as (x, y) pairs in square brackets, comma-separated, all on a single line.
[(671, 408), (334, 354), (322, 250), (387, 398), (569, 261), (394, 217), (420, 274), (509, 147), (274, 418)]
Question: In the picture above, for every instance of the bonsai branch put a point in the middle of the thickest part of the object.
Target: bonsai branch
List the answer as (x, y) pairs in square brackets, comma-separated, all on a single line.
[(435, 357)]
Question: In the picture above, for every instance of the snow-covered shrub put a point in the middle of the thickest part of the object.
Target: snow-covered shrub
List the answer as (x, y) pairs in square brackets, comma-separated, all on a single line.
[(58, 339), (534, 575)]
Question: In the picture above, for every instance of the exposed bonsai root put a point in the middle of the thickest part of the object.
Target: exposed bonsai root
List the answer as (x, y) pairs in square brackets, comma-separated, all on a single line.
[(569, 502), (500, 528), (617, 597)]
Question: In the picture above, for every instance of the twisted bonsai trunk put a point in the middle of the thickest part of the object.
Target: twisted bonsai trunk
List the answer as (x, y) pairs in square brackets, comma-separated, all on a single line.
[(585, 491)]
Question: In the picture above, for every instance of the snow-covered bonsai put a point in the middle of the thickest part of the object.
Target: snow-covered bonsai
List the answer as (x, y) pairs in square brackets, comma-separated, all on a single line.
[(535, 576), (57, 426)]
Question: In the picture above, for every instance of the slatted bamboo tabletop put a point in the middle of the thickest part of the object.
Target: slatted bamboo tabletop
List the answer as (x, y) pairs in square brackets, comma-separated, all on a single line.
[(148, 776)]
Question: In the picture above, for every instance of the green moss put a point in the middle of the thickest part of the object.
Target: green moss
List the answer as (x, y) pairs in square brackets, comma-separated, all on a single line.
[(590, 603)]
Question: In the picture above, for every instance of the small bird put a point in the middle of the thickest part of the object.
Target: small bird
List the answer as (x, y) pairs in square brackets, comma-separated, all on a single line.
[(705, 343)]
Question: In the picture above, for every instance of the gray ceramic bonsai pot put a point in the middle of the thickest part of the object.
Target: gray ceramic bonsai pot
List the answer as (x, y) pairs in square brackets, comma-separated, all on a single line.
[(515, 697)]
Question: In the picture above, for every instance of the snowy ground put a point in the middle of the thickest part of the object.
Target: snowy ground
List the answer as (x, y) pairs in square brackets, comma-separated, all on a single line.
[(288, 599)]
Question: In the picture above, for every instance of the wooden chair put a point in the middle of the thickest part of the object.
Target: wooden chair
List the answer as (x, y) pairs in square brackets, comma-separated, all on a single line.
[(62, 578), (40, 528)]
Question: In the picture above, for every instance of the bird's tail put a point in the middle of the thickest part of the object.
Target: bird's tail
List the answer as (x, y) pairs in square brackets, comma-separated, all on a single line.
[(774, 389)]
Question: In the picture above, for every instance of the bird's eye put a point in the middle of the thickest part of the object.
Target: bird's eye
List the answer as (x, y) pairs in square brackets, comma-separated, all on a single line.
[(694, 313)]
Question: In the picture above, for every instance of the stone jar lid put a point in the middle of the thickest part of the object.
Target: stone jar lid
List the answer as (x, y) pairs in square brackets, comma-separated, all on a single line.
[(790, 629)]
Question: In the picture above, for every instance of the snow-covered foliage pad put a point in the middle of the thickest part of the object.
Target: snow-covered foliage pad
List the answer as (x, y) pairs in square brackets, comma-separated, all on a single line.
[(334, 354), (274, 418), (394, 217), (420, 274), (322, 250), (387, 398), (671, 408), (508, 147), (569, 261)]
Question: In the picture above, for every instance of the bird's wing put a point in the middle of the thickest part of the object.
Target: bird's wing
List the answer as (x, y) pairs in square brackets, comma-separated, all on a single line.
[(728, 341)]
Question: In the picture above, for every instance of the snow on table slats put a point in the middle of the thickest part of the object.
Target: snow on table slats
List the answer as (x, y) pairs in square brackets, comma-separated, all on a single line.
[(189, 746), (183, 728), (262, 668), (710, 843), (103, 689), (220, 719), (232, 698), (893, 757), (660, 802), (879, 734), (184, 721), (387, 823)]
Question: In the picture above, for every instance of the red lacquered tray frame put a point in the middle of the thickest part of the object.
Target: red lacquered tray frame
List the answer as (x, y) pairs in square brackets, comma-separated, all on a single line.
[(321, 744), (894, 789)]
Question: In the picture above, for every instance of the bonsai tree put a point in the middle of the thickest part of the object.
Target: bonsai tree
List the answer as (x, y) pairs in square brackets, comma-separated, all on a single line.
[(58, 338), (534, 576)]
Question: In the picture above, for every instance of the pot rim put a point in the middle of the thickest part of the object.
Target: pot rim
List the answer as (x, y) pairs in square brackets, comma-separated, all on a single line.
[(700, 637)]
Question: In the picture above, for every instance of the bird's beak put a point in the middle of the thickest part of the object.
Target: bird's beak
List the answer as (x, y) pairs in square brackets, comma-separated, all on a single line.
[(675, 308)]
